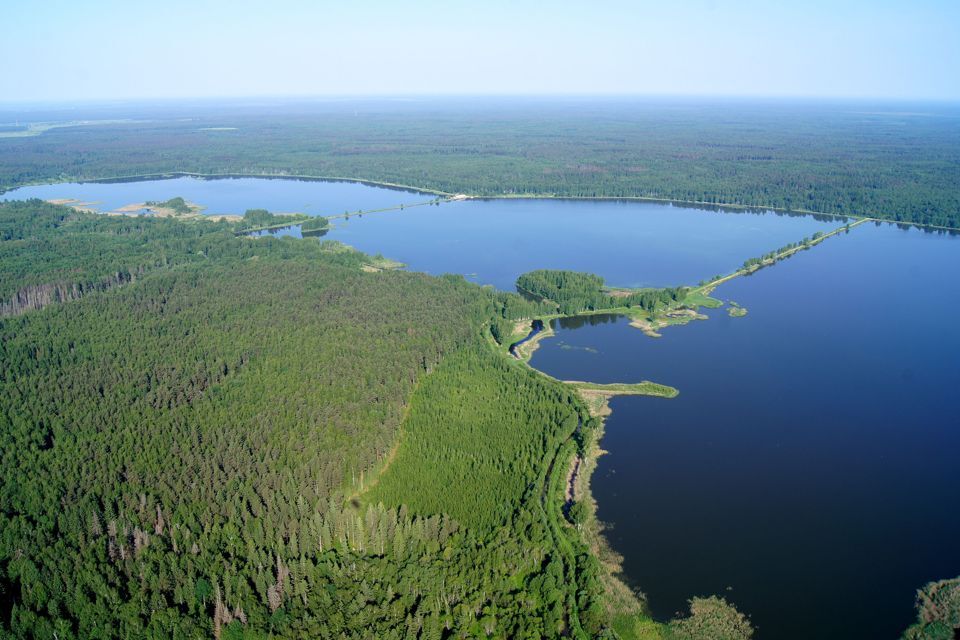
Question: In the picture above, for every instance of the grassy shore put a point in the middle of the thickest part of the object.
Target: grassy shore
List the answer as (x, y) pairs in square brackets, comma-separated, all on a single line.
[(597, 396), (626, 607), (521, 330)]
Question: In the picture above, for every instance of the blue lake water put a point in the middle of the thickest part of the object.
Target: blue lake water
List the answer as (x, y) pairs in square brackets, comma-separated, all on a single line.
[(629, 243), (489, 241), (809, 470), (229, 195)]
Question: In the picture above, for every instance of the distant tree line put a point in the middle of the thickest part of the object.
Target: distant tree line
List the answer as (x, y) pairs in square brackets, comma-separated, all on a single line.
[(829, 158)]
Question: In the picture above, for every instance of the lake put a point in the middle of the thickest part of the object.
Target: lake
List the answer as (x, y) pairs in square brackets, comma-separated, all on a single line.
[(223, 196), (489, 241), (631, 244), (808, 471)]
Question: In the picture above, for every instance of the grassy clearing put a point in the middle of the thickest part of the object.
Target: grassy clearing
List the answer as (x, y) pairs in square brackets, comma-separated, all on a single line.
[(697, 298), (651, 324)]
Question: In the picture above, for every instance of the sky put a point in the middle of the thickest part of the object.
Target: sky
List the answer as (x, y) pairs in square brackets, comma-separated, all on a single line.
[(63, 51)]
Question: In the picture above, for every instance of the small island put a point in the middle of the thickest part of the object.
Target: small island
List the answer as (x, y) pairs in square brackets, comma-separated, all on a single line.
[(734, 310), (175, 206), (262, 220), (316, 226)]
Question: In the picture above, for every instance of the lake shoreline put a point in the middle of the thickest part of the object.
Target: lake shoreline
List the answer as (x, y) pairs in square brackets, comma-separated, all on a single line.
[(626, 604), (692, 204), (144, 177)]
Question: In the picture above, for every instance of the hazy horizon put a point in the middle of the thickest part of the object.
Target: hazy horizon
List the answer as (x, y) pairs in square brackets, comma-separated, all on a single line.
[(295, 99), (107, 51)]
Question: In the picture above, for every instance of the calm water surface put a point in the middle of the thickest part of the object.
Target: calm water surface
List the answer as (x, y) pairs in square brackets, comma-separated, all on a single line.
[(628, 243), (808, 470), (229, 195), (489, 241)]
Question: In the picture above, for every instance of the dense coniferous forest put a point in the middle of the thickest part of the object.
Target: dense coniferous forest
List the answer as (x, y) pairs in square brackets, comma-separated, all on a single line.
[(211, 434), (253, 437), (898, 162), (574, 292), (169, 439), (315, 225), (261, 218)]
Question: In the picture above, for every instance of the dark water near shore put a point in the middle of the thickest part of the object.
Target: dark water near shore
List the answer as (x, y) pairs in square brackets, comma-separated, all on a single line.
[(809, 470), (488, 241)]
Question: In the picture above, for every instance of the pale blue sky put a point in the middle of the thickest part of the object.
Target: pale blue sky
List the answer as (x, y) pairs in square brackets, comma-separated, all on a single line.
[(104, 49)]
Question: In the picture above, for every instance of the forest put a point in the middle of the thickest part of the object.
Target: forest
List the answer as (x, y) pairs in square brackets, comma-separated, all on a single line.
[(210, 434), (315, 225), (263, 219), (254, 437), (575, 292), (845, 158), (177, 205)]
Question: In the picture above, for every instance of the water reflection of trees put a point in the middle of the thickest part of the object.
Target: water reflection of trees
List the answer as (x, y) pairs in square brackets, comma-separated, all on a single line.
[(577, 322)]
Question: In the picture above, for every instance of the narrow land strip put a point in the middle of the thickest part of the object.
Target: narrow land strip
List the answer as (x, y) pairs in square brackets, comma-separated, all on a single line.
[(713, 284), (399, 207)]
